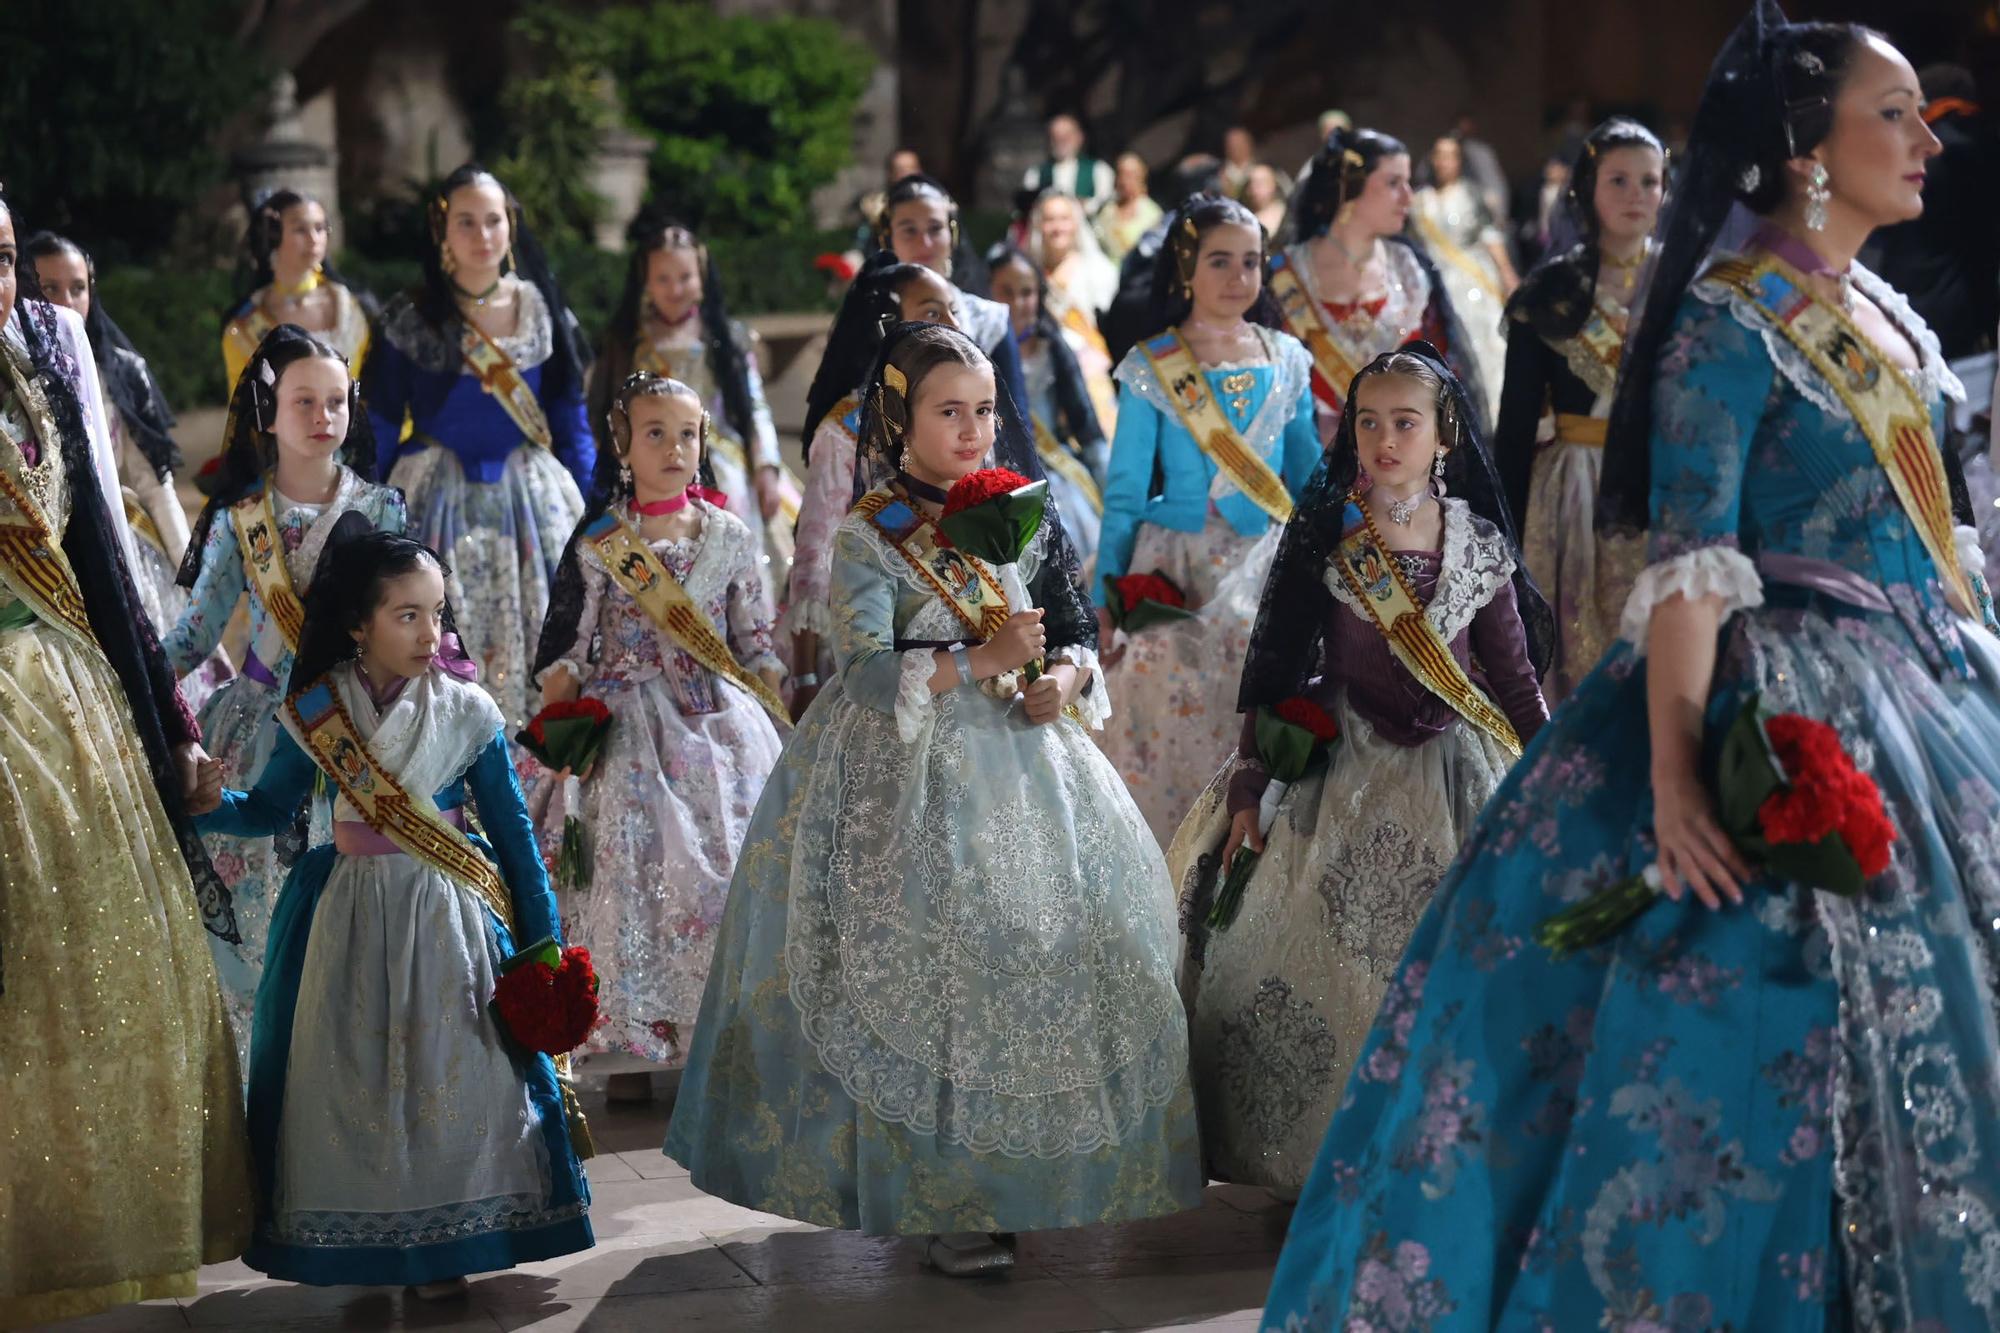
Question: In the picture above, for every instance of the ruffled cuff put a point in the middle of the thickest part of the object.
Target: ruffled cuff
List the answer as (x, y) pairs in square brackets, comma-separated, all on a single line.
[(763, 662), (914, 708), (577, 670), (1093, 700), (808, 616), (1708, 571)]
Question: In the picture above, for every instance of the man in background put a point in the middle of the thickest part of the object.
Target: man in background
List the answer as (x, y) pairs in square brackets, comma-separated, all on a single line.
[(1068, 169)]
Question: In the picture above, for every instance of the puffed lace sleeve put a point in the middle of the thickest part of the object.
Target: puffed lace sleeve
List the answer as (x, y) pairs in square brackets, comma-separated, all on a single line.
[(872, 672), (1714, 385)]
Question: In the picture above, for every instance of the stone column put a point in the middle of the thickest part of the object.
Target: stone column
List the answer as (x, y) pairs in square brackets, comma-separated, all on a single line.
[(287, 158)]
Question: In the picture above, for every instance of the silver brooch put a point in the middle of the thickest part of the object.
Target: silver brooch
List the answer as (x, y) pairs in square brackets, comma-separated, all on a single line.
[(1809, 62), (1750, 178)]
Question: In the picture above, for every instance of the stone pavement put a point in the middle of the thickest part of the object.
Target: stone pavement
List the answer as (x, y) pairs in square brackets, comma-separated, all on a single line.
[(669, 1257)]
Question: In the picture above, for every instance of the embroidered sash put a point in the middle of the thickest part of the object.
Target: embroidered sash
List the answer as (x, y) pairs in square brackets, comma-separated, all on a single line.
[(666, 603), (1066, 465), (142, 523), (1371, 573), (1597, 348), (499, 376), (966, 584), (263, 548), (32, 564), (1307, 322), (1880, 398), (411, 821), (1439, 241), (1181, 376)]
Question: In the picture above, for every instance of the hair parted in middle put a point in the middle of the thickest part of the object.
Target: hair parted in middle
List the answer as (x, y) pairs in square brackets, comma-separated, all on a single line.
[(910, 352), (647, 384)]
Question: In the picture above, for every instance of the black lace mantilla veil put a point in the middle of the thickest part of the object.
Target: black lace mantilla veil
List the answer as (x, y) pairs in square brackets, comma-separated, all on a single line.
[(111, 601), (1069, 617), (608, 487), (1289, 638), (1735, 153)]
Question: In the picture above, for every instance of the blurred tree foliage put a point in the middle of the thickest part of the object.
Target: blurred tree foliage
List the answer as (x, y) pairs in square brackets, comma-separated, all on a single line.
[(109, 112), (748, 114), (556, 111)]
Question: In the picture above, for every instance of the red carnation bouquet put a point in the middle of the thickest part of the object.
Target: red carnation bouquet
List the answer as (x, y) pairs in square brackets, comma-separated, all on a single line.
[(992, 515), (1290, 738), (1790, 798), (546, 997), (569, 735), (1140, 601)]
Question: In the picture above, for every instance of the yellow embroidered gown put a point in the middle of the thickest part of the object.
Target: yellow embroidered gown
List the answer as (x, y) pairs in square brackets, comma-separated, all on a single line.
[(123, 1166)]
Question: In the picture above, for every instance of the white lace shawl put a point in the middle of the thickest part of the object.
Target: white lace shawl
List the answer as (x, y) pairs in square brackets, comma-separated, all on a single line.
[(428, 736), (1291, 367), (1474, 564)]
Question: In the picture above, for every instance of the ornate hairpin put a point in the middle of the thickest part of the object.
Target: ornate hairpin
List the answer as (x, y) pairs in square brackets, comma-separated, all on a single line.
[(1750, 178), (266, 374), (1351, 158), (1809, 62), (895, 379)]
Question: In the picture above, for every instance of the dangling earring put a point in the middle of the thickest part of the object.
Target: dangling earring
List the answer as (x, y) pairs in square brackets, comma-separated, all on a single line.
[(1817, 196), (507, 260), (1437, 473), (446, 261), (625, 477)]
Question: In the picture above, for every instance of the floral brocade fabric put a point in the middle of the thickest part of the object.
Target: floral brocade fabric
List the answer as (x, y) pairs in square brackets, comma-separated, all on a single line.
[(1779, 1116)]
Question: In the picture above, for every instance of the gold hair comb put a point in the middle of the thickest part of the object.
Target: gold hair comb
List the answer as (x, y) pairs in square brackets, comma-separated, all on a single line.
[(895, 379)]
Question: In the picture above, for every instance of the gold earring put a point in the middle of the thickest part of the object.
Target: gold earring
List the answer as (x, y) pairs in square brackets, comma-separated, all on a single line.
[(446, 261)]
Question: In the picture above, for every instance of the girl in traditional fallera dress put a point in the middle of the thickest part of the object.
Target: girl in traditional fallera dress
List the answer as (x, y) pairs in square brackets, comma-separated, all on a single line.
[(942, 998), (1763, 1105), (1350, 284), (1206, 520), (672, 320), (886, 292), (1282, 993), (695, 730), (1566, 337), (398, 1135), (919, 225), (487, 362), (1081, 285), (1455, 227), (136, 414), (122, 1156), (1068, 438), (298, 456), (292, 282)]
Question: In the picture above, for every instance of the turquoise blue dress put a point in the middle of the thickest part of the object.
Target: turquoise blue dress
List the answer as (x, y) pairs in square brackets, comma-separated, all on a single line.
[(942, 997), (1783, 1116), (396, 1134)]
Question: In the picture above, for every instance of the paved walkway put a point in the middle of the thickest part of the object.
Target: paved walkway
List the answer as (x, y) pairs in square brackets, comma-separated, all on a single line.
[(669, 1257)]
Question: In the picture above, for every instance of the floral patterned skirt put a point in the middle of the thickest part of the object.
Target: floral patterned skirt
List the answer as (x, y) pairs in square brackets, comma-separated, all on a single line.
[(123, 1166), (1561, 548), (1281, 999), (1173, 693), (663, 814), (1778, 1116), (502, 540)]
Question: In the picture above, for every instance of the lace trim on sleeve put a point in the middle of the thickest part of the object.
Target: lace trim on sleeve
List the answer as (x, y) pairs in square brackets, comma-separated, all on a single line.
[(1707, 571), (807, 617), (914, 706), (1093, 699)]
